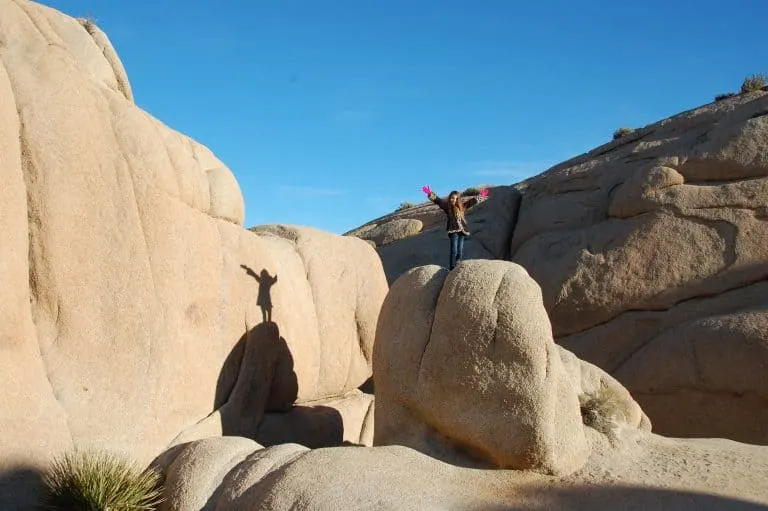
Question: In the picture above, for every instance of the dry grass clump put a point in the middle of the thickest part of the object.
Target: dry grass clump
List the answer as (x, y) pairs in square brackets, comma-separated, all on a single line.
[(603, 409), (753, 83), (100, 482), (622, 132)]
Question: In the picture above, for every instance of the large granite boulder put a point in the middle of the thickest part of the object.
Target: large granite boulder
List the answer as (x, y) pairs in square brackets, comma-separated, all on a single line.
[(643, 472), (136, 309), (465, 367)]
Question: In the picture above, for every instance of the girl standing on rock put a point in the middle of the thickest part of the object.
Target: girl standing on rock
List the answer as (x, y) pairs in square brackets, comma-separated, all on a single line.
[(457, 223)]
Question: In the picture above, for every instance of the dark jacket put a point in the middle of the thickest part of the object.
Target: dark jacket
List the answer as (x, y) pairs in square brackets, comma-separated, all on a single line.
[(454, 223)]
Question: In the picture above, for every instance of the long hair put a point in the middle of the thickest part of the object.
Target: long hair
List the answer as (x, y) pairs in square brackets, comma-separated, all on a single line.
[(458, 208)]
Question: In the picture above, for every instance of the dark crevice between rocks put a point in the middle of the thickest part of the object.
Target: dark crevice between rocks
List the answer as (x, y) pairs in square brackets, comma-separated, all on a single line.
[(508, 244), (641, 159)]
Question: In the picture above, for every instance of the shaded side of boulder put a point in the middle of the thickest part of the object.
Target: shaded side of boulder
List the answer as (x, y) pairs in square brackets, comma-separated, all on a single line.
[(324, 423)]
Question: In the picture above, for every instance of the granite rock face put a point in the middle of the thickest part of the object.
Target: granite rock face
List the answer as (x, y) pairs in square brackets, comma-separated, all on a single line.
[(136, 309), (652, 256)]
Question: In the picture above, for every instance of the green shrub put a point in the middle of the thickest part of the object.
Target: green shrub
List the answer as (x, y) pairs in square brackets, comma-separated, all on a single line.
[(727, 95), (622, 132), (753, 83), (100, 481), (602, 409), (405, 205), (472, 190)]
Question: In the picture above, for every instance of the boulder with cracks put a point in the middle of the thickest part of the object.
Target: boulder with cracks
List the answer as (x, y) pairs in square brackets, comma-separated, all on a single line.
[(467, 371)]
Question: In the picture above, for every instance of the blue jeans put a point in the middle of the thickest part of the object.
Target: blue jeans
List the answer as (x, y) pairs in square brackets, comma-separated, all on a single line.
[(457, 248)]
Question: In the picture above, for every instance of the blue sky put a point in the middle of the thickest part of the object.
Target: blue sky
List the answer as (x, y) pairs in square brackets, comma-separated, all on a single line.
[(332, 112)]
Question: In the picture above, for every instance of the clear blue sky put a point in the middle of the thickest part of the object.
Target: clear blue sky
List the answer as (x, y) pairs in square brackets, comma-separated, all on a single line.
[(332, 112)]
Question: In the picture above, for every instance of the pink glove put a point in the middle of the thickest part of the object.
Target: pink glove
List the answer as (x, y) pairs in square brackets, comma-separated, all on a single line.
[(484, 193), (426, 189)]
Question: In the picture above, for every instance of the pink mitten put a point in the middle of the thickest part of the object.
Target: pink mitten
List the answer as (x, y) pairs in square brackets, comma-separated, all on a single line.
[(484, 193), (426, 189)]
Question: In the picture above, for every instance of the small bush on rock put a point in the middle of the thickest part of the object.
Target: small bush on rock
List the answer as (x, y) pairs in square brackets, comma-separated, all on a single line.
[(622, 132), (406, 205), (727, 95), (601, 410), (100, 481), (753, 83), (88, 23), (472, 190)]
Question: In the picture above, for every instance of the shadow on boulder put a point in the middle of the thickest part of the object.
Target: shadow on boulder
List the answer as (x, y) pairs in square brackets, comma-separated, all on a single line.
[(311, 426), (367, 386), (257, 387), (256, 396), (20, 488), (257, 376)]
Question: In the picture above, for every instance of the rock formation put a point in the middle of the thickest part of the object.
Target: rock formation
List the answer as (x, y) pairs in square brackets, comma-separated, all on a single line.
[(468, 376), (651, 252), (134, 309), (140, 317), (646, 472), (465, 366)]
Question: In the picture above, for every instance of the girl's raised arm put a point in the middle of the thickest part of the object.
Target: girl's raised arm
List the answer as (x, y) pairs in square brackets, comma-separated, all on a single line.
[(432, 195)]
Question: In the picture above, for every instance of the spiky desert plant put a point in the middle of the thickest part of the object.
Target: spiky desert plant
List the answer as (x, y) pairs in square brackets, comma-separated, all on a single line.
[(753, 83), (100, 481)]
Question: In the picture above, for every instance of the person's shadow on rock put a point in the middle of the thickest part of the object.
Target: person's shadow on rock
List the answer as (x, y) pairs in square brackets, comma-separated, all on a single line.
[(264, 299), (257, 377), (258, 387)]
